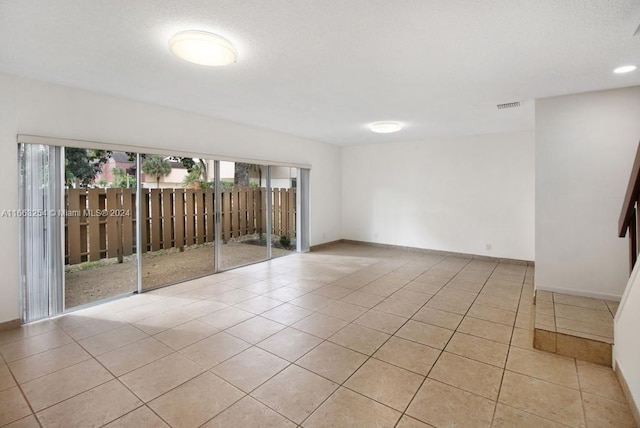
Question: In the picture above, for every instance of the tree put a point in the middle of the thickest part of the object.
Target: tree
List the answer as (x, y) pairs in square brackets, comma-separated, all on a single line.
[(200, 165), (241, 174), (82, 165), (122, 179), (156, 166), (197, 172), (196, 177)]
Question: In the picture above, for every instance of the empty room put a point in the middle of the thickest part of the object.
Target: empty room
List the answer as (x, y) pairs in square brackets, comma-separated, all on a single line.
[(416, 213)]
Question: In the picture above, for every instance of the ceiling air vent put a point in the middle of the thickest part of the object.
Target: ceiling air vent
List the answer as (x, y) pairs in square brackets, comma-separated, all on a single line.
[(509, 105)]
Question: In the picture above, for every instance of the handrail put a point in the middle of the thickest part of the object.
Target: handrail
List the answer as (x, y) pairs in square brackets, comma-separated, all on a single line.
[(628, 216)]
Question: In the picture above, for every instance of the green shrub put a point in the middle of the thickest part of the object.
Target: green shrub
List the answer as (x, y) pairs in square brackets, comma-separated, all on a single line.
[(285, 242)]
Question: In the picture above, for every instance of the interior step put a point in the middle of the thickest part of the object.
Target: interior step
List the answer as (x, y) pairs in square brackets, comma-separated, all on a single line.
[(574, 326)]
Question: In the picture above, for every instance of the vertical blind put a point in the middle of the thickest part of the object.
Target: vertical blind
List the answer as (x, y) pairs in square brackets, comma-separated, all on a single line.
[(40, 218)]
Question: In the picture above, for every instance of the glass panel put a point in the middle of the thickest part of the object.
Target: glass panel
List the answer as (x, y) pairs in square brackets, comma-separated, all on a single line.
[(303, 209), (283, 209), (100, 225), (92, 227), (39, 213), (243, 214), (178, 221)]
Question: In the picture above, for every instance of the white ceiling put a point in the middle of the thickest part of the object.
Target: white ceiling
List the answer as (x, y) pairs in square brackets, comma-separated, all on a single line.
[(324, 69)]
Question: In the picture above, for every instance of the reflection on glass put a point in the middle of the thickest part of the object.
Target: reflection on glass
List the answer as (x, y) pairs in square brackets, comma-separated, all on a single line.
[(243, 214), (178, 229), (100, 216)]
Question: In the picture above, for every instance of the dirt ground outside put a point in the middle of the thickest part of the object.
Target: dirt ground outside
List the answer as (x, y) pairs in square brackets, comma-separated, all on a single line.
[(93, 281)]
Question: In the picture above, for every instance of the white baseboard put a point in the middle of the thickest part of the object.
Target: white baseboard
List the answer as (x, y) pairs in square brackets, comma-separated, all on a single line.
[(632, 280), (440, 252), (633, 406), (592, 294)]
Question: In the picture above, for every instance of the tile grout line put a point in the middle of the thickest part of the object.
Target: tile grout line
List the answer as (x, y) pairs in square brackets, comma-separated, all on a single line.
[(24, 397), (96, 386), (19, 385), (358, 368), (584, 410), (363, 363), (443, 349), (495, 409), (205, 369), (323, 340), (527, 411), (246, 394), (130, 323), (94, 357)]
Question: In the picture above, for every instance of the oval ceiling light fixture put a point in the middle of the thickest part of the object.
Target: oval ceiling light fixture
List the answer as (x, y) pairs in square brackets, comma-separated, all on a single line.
[(201, 47), (624, 69), (385, 127)]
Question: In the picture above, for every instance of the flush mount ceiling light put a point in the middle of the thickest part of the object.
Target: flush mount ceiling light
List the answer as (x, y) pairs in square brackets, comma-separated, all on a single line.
[(201, 47), (624, 69), (385, 127)]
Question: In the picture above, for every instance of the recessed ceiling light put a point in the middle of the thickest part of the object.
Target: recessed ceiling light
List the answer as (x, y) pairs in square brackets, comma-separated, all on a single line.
[(201, 47), (385, 127), (624, 69)]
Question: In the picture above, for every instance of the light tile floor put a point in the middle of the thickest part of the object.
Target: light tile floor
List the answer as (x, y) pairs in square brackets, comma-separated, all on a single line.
[(347, 336), (575, 326), (576, 316)]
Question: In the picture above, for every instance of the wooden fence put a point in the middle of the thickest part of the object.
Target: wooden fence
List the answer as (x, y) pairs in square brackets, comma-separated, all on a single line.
[(101, 223)]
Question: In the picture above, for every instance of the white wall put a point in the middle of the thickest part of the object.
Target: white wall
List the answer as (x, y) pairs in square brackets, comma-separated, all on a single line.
[(456, 194), (585, 145), (626, 351), (9, 199), (30, 107)]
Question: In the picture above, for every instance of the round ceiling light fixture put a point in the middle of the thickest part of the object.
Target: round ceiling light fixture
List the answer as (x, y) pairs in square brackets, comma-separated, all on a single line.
[(385, 127), (624, 69), (201, 47)]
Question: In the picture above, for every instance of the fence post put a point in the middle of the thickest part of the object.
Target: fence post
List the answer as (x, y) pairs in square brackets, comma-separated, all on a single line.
[(190, 217), (144, 216), (167, 218), (128, 231), (209, 196), (179, 222), (113, 231), (200, 216), (171, 218), (73, 226), (242, 206), (93, 224), (226, 215), (260, 208), (291, 213), (155, 219), (235, 212)]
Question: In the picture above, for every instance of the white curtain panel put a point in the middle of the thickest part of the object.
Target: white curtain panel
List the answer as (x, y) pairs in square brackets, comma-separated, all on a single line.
[(41, 226)]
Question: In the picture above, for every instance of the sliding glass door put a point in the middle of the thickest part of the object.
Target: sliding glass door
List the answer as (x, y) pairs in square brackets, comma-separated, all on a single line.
[(283, 194), (100, 207), (97, 224), (177, 219), (244, 231)]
